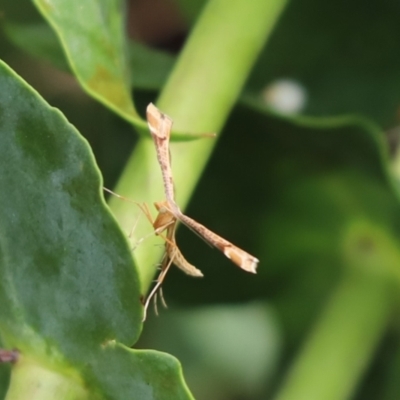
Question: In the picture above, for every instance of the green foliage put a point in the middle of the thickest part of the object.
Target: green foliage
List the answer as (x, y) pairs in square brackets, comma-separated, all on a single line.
[(315, 199)]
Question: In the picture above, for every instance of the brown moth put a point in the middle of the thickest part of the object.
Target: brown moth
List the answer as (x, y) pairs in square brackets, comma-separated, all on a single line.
[(169, 213)]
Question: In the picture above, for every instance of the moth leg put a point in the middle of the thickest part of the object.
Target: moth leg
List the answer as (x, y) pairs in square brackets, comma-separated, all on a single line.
[(160, 279)]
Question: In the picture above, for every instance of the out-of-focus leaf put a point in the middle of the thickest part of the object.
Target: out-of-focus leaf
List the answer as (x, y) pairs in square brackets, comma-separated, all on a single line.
[(341, 71), (93, 37), (345, 54), (69, 293), (149, 67), (39, 41), (234, 348), (190, 8)]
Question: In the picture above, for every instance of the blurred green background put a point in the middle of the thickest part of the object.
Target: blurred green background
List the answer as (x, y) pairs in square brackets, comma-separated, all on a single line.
[(312, 194)]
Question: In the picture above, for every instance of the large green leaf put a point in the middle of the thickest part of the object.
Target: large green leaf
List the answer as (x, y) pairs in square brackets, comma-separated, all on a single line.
[(69, 293), (57, 233)]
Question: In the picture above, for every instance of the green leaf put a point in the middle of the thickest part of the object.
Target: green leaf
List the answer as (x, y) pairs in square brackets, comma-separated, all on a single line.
[(69, 293), (93, 38)]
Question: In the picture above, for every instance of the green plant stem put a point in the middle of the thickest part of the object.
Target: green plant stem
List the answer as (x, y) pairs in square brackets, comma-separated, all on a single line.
[(340, 347), (31, 381), (199, 95)]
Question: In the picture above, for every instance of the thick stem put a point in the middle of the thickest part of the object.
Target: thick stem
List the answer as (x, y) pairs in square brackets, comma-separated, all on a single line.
[(340, 347), (331, 363), (199, 95)]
